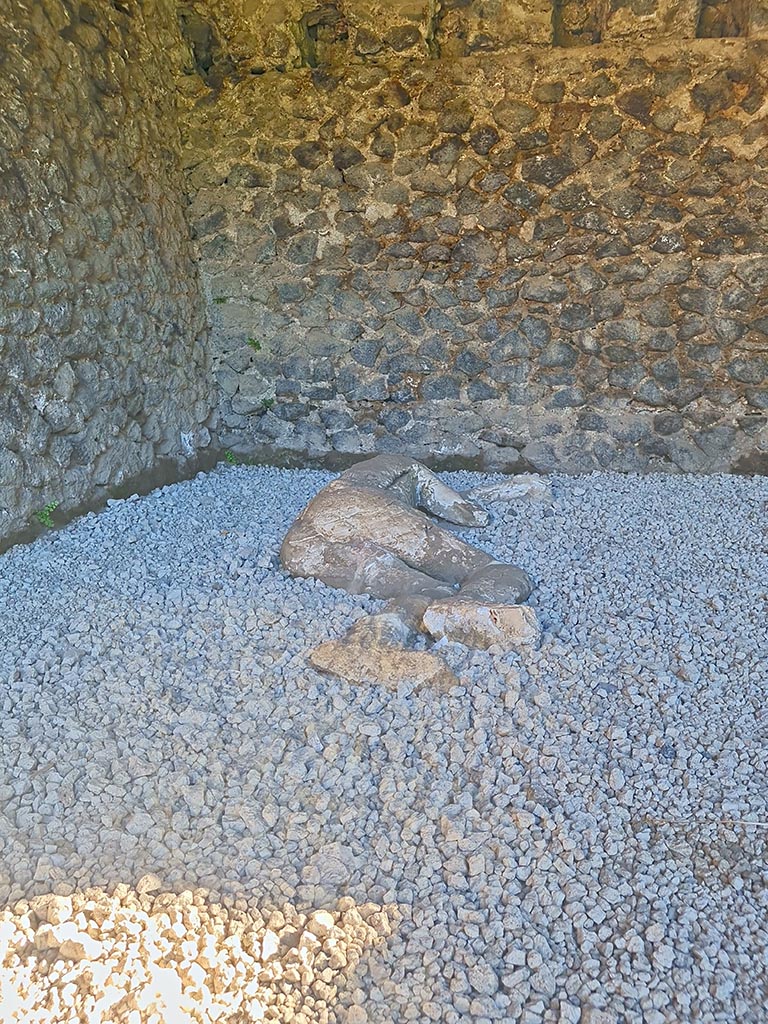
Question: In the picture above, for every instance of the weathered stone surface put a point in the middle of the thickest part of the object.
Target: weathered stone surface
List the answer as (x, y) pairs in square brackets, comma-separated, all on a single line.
[(648, 19), (758, 19), (719, 18), (576, 23), (364, 532), (382, 666), (470, 28), (102, 329)]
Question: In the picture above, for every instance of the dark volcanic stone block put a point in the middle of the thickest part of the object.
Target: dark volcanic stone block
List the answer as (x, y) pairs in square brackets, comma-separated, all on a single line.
[(310, 154), (547, 170), (346, 155)]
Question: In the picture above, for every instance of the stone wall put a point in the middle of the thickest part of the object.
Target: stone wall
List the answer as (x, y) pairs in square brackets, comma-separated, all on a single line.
[(260, 35), (440, 226), (546, 255), (104, 366)]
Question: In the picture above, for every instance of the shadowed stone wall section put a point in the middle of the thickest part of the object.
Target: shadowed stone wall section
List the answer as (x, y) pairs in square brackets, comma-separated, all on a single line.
[(557, 257), (102, 329)]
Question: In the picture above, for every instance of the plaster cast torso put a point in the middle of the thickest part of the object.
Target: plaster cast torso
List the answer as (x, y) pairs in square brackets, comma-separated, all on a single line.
[(365, 532)]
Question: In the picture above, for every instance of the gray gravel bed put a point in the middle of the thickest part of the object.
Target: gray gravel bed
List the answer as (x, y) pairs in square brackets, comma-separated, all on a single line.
[(578, 833)]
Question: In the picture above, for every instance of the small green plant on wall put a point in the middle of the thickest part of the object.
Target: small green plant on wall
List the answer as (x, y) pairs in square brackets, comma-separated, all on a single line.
[(255, 345), (44, 515), (230, 458), (219, 299)]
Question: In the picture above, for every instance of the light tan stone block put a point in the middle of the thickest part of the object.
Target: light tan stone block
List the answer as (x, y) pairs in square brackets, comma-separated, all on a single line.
[(663, 19), (758, 23), (382, 665), (493, 25)]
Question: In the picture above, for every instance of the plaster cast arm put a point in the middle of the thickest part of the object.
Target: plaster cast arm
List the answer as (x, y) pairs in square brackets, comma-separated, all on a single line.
[(417, 486)]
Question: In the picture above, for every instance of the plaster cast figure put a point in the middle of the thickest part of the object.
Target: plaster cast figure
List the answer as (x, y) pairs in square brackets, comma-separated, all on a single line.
[(368, 532)]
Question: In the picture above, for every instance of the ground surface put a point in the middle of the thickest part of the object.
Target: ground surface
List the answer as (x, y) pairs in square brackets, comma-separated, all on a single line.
[(577, 834)]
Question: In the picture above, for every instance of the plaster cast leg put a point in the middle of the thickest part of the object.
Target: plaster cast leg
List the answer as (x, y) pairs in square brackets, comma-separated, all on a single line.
[(354, 525), (498, 583), (486, 610), (364, 568), (446, 556)]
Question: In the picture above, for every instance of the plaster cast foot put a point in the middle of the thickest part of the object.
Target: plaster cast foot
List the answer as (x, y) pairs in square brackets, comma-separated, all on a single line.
[(417, 487), (442, 501), (481, 624), (525, 485)]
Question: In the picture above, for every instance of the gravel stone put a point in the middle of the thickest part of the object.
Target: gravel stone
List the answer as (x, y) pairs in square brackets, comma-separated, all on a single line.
[(196, 825)]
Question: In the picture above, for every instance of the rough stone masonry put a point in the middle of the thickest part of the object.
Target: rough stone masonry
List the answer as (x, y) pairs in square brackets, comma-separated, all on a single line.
[(103, 362), (517, 232), (451, 236)]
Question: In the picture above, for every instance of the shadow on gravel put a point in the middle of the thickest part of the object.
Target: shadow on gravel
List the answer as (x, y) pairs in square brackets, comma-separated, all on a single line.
[(170, 471)]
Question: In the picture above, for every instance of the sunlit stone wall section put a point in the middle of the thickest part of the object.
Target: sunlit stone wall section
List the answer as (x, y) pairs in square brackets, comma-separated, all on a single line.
[(545, 254)]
